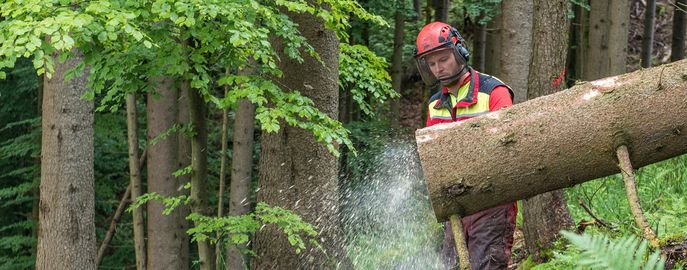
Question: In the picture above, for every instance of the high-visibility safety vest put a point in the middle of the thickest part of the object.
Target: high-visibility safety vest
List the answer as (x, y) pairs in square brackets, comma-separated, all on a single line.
[(472, 100)]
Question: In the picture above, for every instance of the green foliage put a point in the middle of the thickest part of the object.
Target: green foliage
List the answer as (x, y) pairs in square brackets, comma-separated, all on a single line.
[(237, 230), (480, 11), (170, 203), (289, 107), (184, 130), (363, 74), (183, 171), (572, 3), (661, 189), (599, 252), (126, 44)]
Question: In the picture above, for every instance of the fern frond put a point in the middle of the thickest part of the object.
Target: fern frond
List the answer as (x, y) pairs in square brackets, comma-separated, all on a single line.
[(600, 252)]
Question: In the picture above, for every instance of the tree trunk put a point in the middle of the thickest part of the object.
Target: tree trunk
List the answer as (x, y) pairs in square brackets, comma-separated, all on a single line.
[(441, 10), (492, 65), (609, 26), (123, 203), (112, 229), (66, 239), (184, 158), (679, 26), (35, 191), (648, 38), (596, 65), (546, 214), (581, 34), (417, 6), (164, 232), (136, 188), (516, 39), (555, 141), (397, 63), (479, 51), (296, 171), (241, 175), (219, 255), (199, 173), (428, 11), (618, 31)]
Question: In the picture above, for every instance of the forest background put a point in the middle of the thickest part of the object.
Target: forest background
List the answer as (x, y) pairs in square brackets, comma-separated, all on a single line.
[(271, 124)]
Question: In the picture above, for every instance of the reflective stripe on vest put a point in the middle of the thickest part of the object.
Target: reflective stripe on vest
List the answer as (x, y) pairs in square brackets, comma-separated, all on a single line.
[(438, 112)]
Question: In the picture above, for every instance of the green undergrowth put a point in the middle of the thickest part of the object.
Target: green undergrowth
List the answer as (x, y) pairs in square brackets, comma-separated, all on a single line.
[(662, 190)]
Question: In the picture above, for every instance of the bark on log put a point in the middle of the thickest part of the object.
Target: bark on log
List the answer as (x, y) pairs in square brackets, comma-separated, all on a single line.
[(555, 141)]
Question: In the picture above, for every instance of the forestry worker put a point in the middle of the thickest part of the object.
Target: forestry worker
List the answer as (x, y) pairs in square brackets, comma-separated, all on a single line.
[(442, 59)]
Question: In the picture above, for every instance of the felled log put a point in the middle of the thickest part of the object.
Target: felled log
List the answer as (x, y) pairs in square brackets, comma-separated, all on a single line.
[(555, 141)]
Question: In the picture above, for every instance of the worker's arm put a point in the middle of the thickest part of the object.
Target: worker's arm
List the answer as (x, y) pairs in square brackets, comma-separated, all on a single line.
[(500, 98)]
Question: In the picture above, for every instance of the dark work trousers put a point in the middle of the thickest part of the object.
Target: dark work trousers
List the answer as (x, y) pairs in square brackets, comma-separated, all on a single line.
[(489, 236)]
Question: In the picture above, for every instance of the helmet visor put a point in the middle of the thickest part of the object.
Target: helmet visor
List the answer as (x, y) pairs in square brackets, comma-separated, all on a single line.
[(447, 63)]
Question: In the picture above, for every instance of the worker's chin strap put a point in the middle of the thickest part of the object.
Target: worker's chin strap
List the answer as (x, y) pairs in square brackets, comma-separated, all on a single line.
[(454, 78)]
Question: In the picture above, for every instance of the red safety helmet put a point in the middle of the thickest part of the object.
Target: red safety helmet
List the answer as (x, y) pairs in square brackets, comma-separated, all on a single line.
[(437, 36)]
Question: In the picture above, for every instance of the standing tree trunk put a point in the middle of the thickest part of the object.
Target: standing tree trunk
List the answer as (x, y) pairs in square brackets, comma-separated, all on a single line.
[(648, 38), (441, 10), (199, 173), (397, 62), (609, 26), (417, 6), (595, 66), (35, 191), (479, 51), (135, 175), (241, 174), (546, 214), (493, 50), (66, 239), (619, 28), (296, 171), (679, 26), (164, 231), (579, 29), (516, 38), (219, 258), (184, 158)]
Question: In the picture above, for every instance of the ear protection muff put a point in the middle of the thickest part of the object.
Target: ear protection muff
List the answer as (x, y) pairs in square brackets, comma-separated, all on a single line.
[(460, 44)]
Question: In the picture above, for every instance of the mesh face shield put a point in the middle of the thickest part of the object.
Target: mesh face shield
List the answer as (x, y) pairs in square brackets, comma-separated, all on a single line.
[(425, 62)]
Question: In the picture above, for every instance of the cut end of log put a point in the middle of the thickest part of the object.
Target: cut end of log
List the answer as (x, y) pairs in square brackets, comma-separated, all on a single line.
[(606, 83), (423, 138), (591, 94)]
